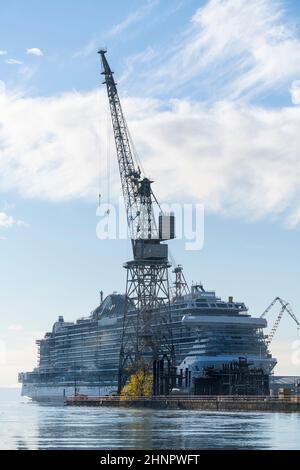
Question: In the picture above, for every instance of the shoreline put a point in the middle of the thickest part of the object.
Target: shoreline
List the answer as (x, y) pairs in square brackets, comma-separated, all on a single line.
[(218, 403)]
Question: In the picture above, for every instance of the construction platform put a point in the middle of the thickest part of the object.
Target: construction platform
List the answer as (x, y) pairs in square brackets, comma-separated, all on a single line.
[(208, 403)]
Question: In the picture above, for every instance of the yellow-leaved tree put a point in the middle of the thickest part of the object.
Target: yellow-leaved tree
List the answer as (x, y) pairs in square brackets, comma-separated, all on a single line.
[(140, 385)]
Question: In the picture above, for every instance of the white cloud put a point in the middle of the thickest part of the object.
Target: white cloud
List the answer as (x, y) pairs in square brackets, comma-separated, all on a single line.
[(232, 48), (49, 146), (239, 161), (13, 62), (295, 92), (2, 87), (2, 52), (35, 51), (8, 221)]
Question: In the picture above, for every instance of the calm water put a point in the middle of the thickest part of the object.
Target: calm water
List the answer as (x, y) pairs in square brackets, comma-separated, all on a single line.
[(28, 425)]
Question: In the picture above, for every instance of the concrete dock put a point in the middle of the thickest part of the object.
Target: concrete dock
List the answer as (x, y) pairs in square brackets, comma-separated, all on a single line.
[(209, 403)]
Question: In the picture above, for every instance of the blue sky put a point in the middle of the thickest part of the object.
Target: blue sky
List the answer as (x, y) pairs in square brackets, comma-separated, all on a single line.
[(211, 91)]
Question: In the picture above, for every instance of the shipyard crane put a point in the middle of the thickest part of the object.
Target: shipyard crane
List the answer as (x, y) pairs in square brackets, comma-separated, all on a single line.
[(147, 335), (180, 286), (285, 307)]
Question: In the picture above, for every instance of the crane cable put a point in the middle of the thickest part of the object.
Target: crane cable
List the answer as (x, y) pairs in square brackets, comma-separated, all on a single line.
[(135, 154), (99, 153), (105, 132), (108, 148)]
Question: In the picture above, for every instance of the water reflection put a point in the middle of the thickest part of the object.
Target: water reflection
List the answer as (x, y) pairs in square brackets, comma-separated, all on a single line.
[(29, 425), (150, 429)]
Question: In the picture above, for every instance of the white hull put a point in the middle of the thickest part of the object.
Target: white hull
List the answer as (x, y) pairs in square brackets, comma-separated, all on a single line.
[(40, 392)]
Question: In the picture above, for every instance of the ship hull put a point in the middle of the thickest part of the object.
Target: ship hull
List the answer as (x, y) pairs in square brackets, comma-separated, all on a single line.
[(58, 393), (198, 363)]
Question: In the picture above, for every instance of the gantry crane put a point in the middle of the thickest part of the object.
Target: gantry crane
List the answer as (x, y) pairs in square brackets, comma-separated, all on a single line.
[(147, 334), (285, 307)]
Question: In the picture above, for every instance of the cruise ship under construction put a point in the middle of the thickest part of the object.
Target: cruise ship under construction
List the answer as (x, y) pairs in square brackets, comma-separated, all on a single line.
[(188, 339)]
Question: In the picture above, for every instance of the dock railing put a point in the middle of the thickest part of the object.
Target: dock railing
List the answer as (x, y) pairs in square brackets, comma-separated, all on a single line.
[(189, 398)]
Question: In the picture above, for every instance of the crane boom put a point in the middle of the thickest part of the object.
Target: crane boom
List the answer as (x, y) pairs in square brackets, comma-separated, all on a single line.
[(147, 339), (275, 326), (289, 310), (269, 307), (136, 189), (285, 307)]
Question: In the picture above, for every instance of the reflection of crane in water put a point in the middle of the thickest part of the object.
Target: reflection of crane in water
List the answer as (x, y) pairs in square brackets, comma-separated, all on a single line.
[(285, 307)]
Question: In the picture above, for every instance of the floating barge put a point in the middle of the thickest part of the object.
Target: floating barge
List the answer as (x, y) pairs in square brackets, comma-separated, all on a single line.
[(208, 403)]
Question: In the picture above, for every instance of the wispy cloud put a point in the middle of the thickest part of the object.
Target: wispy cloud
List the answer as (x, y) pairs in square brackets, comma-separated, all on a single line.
[(90, 48), (7, 206), (2, 52), (134, 17), (176, 7), (14, 62), (241, 161), (26, 72), (143, 57), (8, 221), (255, 50), (35, 51)]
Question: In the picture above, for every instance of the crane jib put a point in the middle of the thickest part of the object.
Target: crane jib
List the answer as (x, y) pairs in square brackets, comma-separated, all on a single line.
[(137, 192)]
